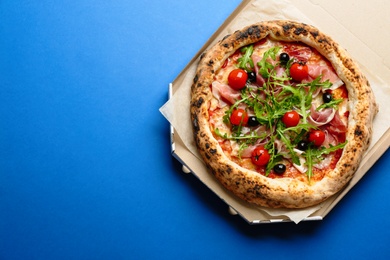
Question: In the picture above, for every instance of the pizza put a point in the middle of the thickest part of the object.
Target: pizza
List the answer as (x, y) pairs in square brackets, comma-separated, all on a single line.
[(281, 114)]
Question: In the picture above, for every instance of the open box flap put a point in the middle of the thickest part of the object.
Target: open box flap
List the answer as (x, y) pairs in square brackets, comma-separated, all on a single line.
[(253, 11)]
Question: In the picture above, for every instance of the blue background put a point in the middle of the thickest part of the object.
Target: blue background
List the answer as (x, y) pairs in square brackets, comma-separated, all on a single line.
[(85, 164)]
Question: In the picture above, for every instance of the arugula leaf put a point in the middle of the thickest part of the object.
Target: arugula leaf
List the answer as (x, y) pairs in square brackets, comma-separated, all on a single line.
[(309, 162), (264, 65), (286, 140), (314, 155), (333, 104), (245, 61)]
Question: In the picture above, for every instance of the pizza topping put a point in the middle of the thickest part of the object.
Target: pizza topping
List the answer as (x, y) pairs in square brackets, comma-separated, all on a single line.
[(279, 168), (326, 72), (284, 58), (317, 137), (245, 61), (266, 64), (300, 52), (299, 71), (327, 97), (252, 76), (321, 117), (274, 109), (315, 156), (252, 121), (224, 93), (337, 125), (260, 156), (237, 79), (302, 145), (239, 117), (291, 118)]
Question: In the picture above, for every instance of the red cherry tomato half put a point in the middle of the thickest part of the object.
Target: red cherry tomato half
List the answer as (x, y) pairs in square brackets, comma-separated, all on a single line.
[(260, 156), (291, 118), (239, 116), (237, 79), (317, 137), (299, 71)]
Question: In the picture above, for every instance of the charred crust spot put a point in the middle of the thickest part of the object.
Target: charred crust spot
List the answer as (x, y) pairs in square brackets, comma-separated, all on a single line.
[(196, 78), (254, 30), (226, 45), (242, 35), (323, 40), (207, 145), (226, 36), (257, 31), (300, 30), (195, 124), (213, 151), (202, 55), (210, 63), (199, 102), (258, 190), (286, 27), (358, 131), (314, 33), (229, 170), (250, 30)]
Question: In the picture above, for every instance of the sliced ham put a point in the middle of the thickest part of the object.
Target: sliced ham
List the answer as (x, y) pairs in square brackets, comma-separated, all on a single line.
[(329, 139), (224, 93), (327, 73), (299, 52), (322, 117), (337, 125), (247, 152)]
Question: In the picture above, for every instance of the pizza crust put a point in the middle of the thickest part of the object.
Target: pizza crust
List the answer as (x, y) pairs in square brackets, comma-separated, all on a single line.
[(282, 192)]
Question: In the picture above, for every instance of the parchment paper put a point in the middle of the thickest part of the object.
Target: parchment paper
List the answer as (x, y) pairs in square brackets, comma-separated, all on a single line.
[(176, 110)]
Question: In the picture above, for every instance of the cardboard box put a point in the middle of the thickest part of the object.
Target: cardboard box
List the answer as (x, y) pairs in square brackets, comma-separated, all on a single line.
[(365, 41)]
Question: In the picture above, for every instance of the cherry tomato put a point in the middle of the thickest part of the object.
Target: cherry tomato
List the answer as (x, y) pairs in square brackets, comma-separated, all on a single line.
[(237, 79), (291, 118), (317, 137), (260, 156), (239, 116), (299, 71)]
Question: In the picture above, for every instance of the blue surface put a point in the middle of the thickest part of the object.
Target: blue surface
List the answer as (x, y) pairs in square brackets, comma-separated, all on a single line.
[(85, 164)]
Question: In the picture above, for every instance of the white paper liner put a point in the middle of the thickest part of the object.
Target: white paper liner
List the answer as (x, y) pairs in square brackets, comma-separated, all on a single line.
[(176, 110)]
